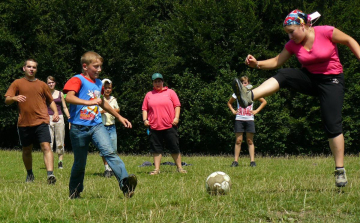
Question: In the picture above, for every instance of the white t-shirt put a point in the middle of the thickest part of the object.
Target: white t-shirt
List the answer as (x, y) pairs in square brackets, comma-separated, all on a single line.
[(107, 118)]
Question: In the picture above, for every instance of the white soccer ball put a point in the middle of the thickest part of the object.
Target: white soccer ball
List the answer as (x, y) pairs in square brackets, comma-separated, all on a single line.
[(218, 183)]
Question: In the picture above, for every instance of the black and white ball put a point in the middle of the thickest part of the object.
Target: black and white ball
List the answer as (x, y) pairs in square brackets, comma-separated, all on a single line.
[(218, 183)]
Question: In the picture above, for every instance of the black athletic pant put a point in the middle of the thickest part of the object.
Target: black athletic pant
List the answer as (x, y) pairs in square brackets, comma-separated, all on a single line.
[(328, 88)]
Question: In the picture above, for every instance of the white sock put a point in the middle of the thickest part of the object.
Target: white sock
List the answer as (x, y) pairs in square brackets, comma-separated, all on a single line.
[(107, 167)]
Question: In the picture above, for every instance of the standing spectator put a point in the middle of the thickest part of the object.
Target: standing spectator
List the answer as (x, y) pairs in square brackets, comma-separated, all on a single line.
[(57, 129), (84, 95), (33, 97), (109, 121), (161, 112), (244, 122)]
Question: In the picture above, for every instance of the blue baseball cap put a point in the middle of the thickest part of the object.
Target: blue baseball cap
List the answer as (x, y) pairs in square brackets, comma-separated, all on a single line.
[(156, 76)]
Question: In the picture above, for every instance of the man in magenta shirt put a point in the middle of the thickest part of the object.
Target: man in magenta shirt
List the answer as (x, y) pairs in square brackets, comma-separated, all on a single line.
[(321, 76), (161, 111)]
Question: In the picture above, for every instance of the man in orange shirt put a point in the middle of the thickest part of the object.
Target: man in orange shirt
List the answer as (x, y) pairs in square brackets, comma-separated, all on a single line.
[(32, 97)]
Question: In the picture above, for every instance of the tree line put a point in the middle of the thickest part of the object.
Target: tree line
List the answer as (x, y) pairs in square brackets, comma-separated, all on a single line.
[(198, 46)]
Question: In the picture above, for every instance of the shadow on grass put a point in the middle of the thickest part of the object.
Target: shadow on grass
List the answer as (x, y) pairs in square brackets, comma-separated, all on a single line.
[(316, 190), (98, 174)]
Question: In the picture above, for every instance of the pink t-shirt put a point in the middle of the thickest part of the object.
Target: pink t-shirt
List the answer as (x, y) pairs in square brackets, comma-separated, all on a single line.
[(160, 106), (323, 58)]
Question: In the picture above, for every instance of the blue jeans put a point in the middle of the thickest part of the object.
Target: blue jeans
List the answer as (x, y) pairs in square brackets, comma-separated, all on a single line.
[(113, 136), (81, 136)]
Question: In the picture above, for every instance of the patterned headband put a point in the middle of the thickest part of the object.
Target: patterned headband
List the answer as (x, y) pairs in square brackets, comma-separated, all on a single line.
[(296, 17)]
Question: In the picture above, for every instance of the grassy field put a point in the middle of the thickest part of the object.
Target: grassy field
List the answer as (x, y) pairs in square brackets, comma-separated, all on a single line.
[(293, 189)]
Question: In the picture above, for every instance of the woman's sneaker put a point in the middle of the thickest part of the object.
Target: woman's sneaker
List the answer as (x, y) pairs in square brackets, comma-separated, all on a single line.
[(234, 164), (340, 177), (253, 164), (242, 93)]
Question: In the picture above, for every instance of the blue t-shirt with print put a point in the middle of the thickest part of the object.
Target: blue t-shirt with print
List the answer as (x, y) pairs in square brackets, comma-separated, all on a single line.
[(82, 114)]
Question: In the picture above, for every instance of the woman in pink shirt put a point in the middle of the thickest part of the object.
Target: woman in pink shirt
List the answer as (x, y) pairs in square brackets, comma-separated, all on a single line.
[(321, 76), (161, 111)]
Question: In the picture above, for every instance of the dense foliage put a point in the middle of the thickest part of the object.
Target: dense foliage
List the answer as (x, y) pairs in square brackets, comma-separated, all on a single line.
[(199, 47)]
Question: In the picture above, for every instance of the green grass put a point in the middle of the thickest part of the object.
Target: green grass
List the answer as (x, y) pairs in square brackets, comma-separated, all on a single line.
[(294, 189)]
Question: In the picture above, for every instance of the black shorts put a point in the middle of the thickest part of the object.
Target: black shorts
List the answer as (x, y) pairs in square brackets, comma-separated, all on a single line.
[(167, 137), (329, 89), (30, 135), (244, 126)]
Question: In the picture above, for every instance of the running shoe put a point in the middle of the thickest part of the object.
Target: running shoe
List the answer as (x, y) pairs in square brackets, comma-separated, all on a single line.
[(129, 185), (51, 179), (242, 93), (60, 165), (74, 194), (340, 177), (30, 178), (107, 173)]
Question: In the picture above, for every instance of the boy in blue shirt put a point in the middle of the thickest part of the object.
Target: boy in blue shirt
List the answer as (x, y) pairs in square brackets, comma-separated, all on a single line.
[(84, 95)]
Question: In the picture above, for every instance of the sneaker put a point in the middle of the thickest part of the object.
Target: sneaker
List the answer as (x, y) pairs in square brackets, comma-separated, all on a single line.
[(74, 194), (242, 93), (51, 179), (234, 164), (340, 177), (129, 185), (30, 178), (60, 165), (253, 164), (107, 173)]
